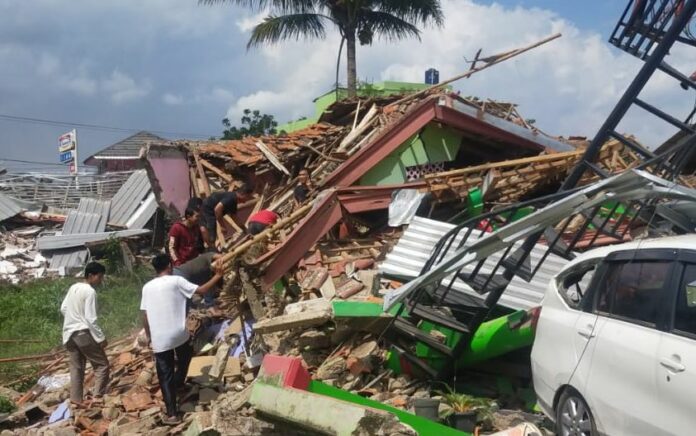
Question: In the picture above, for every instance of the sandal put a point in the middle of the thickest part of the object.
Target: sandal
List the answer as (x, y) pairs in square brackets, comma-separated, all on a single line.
[(171, 420)]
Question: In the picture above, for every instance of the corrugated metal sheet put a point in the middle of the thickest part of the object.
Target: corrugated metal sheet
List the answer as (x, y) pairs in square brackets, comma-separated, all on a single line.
[(141, 216), (413, 250), (92, 206), (79, 240), (90, 217), (128, 200), (10, 206)]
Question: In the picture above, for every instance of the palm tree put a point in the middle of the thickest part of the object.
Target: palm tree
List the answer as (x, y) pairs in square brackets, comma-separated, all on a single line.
[(359, 20)]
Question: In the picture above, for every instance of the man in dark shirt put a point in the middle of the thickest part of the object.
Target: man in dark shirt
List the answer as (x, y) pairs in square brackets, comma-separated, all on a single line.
[(198, 271), (216, 206)]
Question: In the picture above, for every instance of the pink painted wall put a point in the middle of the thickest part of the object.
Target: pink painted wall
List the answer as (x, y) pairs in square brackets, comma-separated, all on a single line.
[(168, 171)]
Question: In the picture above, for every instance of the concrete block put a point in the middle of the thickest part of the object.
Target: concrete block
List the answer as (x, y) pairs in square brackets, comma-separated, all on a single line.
[(314, 340), (233, 369), (220, 362), (201, 425), (324, 414), (318, 304), (328, 289), (296, 320), (332, 368), (199, 369)]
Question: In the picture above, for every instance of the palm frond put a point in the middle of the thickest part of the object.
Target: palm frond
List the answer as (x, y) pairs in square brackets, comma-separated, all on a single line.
[(274, 29), (387, 26), (276, 7), (413, 11)]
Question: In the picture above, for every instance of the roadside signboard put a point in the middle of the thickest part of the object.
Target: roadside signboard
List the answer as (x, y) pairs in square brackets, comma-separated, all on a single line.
[(66, 157), (67, 150), (67, 141)]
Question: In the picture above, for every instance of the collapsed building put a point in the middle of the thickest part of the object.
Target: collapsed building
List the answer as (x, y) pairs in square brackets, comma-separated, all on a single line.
[(436, 222)]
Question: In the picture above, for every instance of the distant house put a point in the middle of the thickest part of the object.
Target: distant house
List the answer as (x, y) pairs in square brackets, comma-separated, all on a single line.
[(379, 89), (123, 155)]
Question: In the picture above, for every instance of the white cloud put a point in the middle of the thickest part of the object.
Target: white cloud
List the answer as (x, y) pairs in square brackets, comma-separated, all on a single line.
[(247, 23), (123, 88), (172, 99), (569, 86)]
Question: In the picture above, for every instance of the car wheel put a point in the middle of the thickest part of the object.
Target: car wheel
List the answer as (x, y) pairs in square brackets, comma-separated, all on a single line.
[(573, 416)]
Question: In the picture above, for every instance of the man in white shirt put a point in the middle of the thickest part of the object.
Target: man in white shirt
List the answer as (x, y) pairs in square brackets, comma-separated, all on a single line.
[(164, 317), (82, 337)]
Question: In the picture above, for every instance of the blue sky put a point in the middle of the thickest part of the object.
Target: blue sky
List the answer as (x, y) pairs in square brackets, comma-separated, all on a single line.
[(177, 67), (599, 15)]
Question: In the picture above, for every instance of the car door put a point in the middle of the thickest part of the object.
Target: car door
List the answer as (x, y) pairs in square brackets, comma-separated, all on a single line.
[(616, 375), (557, 346), (676, 359)]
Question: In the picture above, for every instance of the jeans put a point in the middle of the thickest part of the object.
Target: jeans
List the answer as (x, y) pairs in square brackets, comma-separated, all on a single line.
[(82, 348), (172, 366)]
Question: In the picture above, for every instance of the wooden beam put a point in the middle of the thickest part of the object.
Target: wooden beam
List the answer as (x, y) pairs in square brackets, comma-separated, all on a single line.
[(296, 216), (216, 170), (201, 174), (495, 59), (194, 182), (206, 189), (272, 158)]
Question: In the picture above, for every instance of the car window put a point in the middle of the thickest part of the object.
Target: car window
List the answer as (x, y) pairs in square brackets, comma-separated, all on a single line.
[(573, 283), (685, 311), (632, 290)]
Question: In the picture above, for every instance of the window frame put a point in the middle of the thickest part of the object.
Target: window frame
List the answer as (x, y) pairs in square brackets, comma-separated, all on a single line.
[(686, 258), (662, 320), (594, 262)]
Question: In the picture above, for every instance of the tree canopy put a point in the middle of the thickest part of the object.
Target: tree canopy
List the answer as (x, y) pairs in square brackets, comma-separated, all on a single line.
[(360, 20), (253, 123)]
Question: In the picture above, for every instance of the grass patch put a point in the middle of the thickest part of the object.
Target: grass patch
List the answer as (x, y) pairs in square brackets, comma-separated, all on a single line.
[(32, 312)]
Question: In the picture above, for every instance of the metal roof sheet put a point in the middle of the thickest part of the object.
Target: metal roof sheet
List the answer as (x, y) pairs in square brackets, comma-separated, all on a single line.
[(90, 217), (10, 206), (412, 251), (142, 215), (128, 199), (79, 240)]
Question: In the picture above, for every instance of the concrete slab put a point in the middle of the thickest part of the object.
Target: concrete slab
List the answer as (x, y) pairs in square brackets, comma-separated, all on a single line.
[(324, 414), (312, 318)]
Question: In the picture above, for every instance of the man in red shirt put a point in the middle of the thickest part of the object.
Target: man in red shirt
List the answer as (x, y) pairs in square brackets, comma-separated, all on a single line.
[(260, 220), (183, 238)]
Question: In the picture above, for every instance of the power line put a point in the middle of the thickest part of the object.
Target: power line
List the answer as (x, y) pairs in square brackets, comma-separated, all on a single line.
[(97, 127), (31, 162)]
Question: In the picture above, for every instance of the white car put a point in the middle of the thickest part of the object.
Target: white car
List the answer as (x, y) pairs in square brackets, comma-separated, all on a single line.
[(615, 346)]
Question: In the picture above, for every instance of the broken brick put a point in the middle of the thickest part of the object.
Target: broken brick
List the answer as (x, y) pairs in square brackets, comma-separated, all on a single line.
[(137, 398)]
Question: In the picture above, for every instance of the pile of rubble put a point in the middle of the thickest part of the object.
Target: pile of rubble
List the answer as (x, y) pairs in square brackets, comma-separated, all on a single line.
[(39, 240), (309, 288), (20, 261)]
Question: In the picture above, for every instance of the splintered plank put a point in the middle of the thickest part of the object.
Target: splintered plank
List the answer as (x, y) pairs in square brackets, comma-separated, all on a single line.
[(216, 170), (272, 158)]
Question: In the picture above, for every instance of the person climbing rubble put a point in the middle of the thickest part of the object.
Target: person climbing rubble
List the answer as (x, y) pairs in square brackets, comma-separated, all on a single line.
[(303, 188), (198, 271), (259, 221), (83, 338), (216, 206), (163, 307)]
